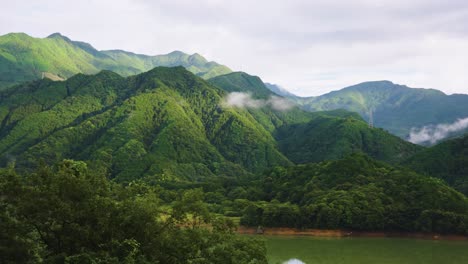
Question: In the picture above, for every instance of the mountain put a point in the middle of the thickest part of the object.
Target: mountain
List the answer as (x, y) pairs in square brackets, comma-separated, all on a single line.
[(280, 90), (165, 123), (24, 58), (447, 160), (396, 108), (317, 136)]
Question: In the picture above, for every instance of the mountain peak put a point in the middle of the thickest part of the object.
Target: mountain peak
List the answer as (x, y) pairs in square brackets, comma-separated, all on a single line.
[(197, 59), (375, 84), (58, 35), (177, 53)]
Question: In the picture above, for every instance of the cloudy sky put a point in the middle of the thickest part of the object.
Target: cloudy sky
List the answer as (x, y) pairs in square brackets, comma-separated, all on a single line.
[(308, 47)]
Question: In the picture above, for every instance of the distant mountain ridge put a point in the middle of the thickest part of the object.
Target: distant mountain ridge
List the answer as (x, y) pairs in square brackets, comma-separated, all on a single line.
[(25, 58), (279, 90), (396, 108)]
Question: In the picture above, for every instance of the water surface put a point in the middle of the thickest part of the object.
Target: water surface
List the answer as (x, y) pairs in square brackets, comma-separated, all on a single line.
[(313, 250)]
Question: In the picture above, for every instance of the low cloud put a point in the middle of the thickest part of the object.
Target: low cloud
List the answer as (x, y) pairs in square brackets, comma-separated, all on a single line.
[(245, 100), (435, 133)]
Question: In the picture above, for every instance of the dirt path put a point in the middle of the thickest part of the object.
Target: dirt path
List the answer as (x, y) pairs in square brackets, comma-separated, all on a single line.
[(344, 233)]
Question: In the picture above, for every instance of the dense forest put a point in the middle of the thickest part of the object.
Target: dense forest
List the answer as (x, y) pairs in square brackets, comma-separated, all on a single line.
[(68, 214), (447, 160)]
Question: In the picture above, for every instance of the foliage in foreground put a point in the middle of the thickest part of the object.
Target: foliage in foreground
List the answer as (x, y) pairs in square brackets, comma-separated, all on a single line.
[(65, 214)]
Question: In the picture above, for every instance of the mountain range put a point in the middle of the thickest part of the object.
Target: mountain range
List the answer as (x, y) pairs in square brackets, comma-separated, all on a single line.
[(269, 159), (411, 114), (25, 58)]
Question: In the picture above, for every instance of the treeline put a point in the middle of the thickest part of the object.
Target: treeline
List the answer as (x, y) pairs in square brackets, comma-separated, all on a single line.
[(355, 193), (67, 214)]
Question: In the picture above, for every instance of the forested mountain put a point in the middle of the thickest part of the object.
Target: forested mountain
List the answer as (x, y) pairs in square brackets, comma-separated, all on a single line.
[(329, 138), (319, 136), (166, 122), (396, 108), (447, 160), (170, 124), (24, 58)]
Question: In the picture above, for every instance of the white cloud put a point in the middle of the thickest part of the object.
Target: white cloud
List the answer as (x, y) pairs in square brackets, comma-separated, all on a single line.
[(242, 100), (433, 134), (245, 100), (280, 103)]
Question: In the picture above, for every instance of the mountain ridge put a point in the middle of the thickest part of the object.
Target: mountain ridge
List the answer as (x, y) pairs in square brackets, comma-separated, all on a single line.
[(26, 58)]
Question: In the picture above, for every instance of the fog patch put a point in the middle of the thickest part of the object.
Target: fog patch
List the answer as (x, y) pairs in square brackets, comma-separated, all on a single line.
[(434, 133), (245, 100), (294, 261)]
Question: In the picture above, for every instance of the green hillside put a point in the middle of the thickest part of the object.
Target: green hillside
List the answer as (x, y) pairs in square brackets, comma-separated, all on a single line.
[(447, 160), (330, 138), (396, 108), (24, 58), (355, 193), (165, 123), (317, 136)]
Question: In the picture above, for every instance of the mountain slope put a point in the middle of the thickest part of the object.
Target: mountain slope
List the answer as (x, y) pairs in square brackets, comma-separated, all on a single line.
[(24, 58), (331, 138), (165, 123), (447, 160), (317, 136), (396, 108)]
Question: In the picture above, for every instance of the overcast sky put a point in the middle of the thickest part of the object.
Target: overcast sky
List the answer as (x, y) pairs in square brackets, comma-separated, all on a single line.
[(308, 47)]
